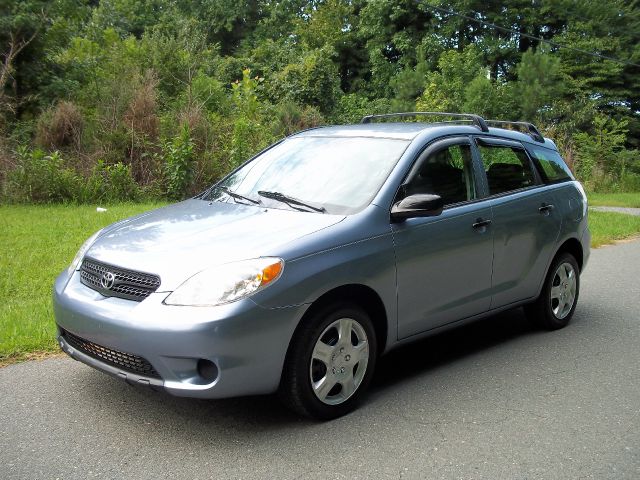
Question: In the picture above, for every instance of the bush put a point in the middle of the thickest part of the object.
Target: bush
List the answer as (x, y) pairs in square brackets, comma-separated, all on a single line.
[(111, 183), (6, 159), (314, 80), (45, 178), (42, 178), (292, 118), (178, 158), (602, 162), (61, 127), (352, 107), (141, 122), (630, 183), (209, 134), (250, 132)]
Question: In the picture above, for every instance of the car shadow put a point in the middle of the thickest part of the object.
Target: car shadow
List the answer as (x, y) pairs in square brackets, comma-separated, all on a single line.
[(445, 348), (251, 417)]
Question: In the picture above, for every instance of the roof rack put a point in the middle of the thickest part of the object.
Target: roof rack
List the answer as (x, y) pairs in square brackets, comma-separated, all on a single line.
[(531, 129), (476, 120)]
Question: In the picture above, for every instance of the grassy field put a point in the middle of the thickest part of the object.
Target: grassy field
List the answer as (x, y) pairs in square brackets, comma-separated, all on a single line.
[(607, 227), (614, 199), (37, 242)]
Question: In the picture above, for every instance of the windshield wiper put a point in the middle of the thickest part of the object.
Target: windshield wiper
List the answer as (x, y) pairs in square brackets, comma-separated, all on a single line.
[(291, 201), (237, 196)]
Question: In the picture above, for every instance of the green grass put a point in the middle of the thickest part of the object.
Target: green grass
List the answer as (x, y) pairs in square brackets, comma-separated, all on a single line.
[(607, 227), (614, 199), (36, 244)]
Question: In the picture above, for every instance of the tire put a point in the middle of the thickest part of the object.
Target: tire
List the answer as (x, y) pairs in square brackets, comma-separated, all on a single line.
[(330, 362), (557, 302)]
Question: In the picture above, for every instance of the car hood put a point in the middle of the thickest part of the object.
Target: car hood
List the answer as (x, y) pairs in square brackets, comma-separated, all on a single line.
[(177, 241)]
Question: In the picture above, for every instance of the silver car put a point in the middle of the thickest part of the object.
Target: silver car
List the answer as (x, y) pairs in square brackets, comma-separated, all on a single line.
[(295, 272)]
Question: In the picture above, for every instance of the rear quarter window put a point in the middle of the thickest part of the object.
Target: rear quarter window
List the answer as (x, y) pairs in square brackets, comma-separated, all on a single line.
[(552, 167)]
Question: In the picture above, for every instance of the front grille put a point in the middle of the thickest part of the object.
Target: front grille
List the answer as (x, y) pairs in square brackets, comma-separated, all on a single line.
[(120, 282), (124, 361)]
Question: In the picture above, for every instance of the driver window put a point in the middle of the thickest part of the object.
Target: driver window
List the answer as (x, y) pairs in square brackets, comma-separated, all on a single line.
[(448, 173)]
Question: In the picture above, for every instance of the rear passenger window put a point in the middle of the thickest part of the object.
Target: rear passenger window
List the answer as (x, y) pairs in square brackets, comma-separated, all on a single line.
[(508, 168), (552, 167)]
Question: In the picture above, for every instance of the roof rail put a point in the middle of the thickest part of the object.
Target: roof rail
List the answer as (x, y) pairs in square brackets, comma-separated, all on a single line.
[(477, 120), (531, 129)]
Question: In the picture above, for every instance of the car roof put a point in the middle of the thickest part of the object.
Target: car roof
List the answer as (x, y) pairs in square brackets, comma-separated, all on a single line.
[(396, 130), (410, 130)]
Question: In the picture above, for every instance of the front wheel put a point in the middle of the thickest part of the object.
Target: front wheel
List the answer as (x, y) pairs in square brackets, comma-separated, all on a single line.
[(330, 362), (557, 302)]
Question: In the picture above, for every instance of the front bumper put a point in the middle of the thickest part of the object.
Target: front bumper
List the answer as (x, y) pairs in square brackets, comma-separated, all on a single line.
[(246, 342)]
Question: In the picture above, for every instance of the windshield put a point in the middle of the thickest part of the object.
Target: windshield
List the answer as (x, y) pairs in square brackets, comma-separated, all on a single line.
[(320, 174)]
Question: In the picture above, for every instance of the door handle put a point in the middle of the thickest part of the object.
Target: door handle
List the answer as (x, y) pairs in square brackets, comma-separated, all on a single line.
[(546, 208), (480, 222)]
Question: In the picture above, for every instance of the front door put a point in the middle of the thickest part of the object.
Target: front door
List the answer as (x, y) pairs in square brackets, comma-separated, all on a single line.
[(444, 262)]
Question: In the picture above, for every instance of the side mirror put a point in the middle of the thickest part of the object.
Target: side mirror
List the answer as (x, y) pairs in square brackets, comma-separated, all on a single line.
[(418, 205)]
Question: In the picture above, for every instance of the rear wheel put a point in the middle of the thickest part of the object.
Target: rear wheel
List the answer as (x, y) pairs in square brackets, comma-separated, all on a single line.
[(330, 362), (557, 302)]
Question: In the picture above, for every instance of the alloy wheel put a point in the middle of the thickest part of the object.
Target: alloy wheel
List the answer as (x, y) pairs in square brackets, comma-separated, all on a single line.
[(339, 361), (563, 290)]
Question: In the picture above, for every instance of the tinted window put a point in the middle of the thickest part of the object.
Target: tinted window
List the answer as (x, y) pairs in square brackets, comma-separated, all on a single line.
[(448, 173), (338, 173), (508, 168), (553, 168)]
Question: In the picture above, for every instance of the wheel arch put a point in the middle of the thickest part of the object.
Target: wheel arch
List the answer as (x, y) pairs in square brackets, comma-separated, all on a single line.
[(570, 245), (574, 247), (361, 295)]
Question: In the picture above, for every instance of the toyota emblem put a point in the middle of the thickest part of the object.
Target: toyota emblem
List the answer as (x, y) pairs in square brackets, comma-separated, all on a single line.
[(107, 280)]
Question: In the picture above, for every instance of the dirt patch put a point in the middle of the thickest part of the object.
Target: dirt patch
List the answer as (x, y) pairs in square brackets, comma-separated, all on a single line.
[(633, 238), (27, 357)]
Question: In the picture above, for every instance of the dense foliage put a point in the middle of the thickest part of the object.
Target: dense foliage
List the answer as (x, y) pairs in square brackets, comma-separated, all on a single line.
[(116, 99)]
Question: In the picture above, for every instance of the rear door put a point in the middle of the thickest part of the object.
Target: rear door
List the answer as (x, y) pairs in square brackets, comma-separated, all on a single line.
[(444, 262), (525, 222)]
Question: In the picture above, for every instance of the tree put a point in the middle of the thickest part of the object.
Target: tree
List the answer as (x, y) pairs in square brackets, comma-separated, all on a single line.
[(20, 24), (539, 83), (408, 84), (445, 88), (115, 80), (391, 30), (602, 151), (311, 81)]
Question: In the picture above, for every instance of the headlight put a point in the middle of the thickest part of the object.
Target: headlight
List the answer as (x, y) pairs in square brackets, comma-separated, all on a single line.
[(83, 249), (227, 283)]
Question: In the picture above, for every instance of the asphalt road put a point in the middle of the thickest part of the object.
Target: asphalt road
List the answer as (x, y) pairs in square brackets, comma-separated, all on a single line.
[(494, 400), (627, 210)]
